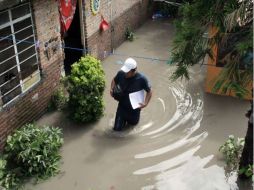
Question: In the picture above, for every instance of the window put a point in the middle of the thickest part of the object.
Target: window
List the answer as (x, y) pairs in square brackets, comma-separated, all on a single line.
[(19, 69)]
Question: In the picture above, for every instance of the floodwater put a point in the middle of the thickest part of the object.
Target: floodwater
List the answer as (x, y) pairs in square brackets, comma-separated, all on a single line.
[(174, 147)]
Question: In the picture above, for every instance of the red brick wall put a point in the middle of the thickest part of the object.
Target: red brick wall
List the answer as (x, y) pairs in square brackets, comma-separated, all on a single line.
[(31, 105), (120, 14)]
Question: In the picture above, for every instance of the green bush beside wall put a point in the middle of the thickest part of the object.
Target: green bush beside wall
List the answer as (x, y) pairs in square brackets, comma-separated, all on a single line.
[(30, 151), (86, 85)]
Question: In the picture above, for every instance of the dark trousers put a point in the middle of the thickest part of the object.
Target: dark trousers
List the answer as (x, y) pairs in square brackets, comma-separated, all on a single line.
[(124, 117)]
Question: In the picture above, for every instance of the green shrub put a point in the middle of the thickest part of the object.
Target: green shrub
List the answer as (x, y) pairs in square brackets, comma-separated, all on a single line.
[(59, 99), (10, 180), (2, 167), (232, 150), (247, 171), (129, 35), (34, 151), (85, 86)]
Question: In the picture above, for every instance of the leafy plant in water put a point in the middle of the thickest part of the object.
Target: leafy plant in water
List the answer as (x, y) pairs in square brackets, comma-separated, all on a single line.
[(2, 167), (86, 85), (10, 181), (8, 176), (34, 151), (59, 99), (129, 35), (233, 20), (232, 150), (247, 171)]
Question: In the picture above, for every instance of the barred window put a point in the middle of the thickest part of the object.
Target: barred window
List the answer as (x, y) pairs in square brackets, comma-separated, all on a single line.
[(19, 69)]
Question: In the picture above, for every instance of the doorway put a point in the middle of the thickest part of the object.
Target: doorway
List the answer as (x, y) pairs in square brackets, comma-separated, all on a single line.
[(72, 39)]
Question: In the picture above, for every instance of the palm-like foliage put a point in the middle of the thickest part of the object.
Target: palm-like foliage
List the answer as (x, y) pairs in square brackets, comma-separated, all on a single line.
[(233, 20), (233, 77), (240, 16)]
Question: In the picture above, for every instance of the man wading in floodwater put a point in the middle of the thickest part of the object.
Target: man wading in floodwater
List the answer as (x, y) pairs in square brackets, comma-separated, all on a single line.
[(129, 81)]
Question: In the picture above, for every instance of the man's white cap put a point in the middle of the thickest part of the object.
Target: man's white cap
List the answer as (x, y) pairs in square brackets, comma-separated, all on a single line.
[(129, 64)]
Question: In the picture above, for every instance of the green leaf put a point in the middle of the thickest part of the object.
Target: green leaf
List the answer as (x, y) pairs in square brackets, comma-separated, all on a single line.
[(86, 86), (37, 148)]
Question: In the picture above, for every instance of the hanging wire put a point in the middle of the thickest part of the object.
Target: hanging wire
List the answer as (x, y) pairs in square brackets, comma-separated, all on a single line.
[(62, 45)]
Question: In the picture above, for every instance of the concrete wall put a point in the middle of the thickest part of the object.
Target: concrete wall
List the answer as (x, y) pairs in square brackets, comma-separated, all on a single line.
[(120, 14), (31, 105)]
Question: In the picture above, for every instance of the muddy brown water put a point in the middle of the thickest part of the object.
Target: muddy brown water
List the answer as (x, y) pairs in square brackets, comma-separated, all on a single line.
[(175, 145)]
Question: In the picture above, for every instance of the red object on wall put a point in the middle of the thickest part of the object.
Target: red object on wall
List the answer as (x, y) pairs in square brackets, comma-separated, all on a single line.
[(67, 9), (104, 24)]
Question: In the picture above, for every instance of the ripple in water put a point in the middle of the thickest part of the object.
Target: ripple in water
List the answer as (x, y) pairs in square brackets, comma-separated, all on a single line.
[(185, 171), (179, 137)]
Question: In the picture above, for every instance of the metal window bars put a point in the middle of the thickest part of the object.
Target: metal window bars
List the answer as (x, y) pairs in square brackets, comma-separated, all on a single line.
[(17, 70)]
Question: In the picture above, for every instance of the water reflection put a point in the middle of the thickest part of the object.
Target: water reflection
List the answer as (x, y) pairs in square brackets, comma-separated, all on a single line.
[(192, 175)]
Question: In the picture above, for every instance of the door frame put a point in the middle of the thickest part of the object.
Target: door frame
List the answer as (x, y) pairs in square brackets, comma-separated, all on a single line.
[(82, 25)]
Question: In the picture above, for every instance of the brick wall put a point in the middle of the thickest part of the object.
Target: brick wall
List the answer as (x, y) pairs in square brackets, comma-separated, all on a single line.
[(120, 14), (31, 105)]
